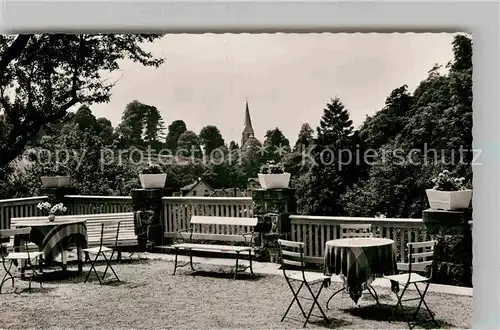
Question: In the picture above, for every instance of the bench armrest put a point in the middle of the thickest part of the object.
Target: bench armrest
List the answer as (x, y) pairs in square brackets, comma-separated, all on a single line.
[(248, 237), (181, 234)]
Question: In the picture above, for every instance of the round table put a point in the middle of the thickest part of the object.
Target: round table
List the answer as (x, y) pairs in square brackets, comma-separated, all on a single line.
[(359, 261), (54, 238)]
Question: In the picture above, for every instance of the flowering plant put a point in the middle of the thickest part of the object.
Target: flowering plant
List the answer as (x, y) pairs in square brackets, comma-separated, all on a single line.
[(152, 168), (446, 182), (271, 168), (55, 170), (52, 209)]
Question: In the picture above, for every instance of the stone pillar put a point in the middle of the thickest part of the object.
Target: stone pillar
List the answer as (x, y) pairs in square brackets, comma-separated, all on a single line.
[(273, 208), (454, 250), (148, 217)]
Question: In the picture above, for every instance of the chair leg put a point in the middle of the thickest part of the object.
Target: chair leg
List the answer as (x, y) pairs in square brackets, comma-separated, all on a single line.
[(92, 267), (236, 269), (191, 260), (398, 304), (250, 260), (110, 267), (110, 258), (8, 275), (422, 296), (333, 295), (175, 262), (373, 293), (315, 302), (295, 298)]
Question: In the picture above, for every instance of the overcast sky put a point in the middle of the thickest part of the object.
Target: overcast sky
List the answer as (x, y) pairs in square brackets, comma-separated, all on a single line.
[(287, 78)]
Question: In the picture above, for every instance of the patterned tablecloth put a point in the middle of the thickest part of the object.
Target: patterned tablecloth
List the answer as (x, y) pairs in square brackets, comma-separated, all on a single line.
[(359, 260), (54, 237)]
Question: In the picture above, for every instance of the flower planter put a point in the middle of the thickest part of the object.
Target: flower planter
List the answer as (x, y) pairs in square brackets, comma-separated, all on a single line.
[(55, 181), (274, 181), (449, 200), (153, 180)]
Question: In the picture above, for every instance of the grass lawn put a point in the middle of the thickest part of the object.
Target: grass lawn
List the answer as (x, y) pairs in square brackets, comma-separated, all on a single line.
[(149, 297)]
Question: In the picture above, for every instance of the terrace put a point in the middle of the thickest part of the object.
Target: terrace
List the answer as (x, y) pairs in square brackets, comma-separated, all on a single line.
[(151, 297)]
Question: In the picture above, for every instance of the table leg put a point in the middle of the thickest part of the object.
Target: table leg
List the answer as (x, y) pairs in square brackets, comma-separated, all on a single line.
[(79, 254), (64, 260), (22, 263)]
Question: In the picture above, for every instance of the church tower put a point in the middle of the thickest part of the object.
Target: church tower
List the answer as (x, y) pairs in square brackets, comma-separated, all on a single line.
[(248, 129)]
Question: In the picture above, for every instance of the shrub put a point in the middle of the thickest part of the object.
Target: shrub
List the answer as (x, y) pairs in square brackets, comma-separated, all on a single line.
[(271, 168), (152, 168), (447, 182)]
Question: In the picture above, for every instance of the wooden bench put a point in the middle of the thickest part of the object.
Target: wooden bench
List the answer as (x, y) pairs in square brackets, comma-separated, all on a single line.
[(126, 237), (205, 228)]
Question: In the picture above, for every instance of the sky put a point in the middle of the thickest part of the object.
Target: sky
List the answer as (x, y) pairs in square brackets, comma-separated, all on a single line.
[(286, 78)]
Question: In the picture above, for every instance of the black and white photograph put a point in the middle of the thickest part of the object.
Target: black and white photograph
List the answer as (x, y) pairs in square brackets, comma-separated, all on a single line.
[(236, 181)]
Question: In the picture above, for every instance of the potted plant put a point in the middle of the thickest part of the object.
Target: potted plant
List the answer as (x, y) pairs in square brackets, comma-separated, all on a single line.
[(273, 176), (52, 210), (55, 177), (152, 176), (449, 193)]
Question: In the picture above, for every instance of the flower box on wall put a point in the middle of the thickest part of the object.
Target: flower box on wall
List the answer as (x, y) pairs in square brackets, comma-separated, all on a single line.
[(55, 181), (449, 200), (274, 181), (153, 180)]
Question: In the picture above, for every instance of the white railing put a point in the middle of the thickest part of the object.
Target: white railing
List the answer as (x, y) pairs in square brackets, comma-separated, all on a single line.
[(19, 207), (177, 211), (81, 204), (314, 231)]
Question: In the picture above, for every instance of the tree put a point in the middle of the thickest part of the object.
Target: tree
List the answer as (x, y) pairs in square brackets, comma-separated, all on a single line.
[(154, 128), (233, 145), (386, 124), (175, 130), (87, 153), (211, 139), (141, 126), (305, 139), (276, 145), (251, 158), (434, 126), (132, 124), (42, 76), (189, 144), (335, 123), (320, 190)]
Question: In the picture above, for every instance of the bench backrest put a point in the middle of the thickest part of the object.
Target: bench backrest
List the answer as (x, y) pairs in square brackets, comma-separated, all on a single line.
[(221, 228), (231, 221)]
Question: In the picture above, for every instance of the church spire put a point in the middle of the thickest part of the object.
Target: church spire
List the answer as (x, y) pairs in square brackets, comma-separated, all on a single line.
[(248, 122), (248, 129)]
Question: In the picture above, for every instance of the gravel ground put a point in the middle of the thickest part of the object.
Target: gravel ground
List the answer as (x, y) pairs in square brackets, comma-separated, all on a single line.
[(149, 297)]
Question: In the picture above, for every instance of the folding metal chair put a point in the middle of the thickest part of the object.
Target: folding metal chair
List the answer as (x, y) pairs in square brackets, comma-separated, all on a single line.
[(295, 260), (108, 243), (18, 255), (354, 231), (418, 261)]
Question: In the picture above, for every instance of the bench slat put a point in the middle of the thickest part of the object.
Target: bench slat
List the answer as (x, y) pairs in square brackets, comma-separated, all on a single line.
[(211, 247), (235, 221)]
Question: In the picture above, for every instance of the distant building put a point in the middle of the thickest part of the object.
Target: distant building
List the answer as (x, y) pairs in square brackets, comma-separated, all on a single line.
[(228, 192), (248, 135), (198, 188)]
